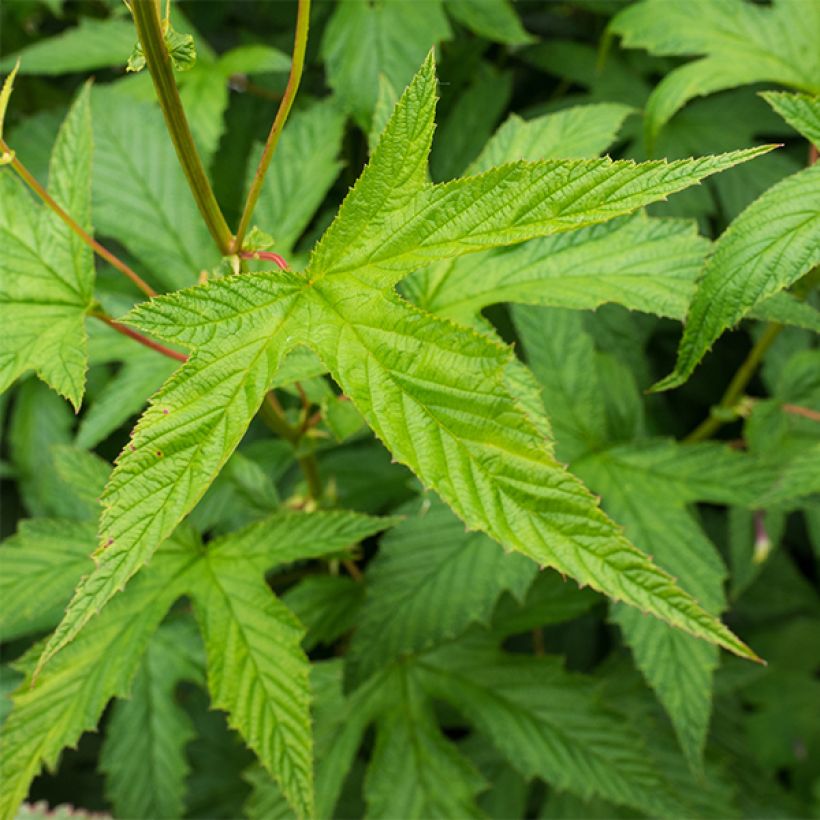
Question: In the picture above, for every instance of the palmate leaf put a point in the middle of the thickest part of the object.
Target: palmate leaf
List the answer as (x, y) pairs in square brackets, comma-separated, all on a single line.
[(46, 271), (771, 245), (436, 394), (53, 710), (143, 754), (742, 42)]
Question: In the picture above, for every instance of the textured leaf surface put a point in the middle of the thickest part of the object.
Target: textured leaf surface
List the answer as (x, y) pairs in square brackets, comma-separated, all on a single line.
[(774, 242), (742, 43), (363, 41), (143, 755), (548, 723), (141, 198), (257, 672), (42, 564), (429, 582), (801, 111), (68, 698), (415, 772), (190, 429), (46, 271)]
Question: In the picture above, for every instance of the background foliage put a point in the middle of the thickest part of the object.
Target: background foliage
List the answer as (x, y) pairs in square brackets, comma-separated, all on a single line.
[(446, 676)]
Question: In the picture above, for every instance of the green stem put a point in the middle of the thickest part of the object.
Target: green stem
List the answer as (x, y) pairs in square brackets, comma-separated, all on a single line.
[(295, 77), (149, 30), (89, 240), (734, 391), (273, 415)]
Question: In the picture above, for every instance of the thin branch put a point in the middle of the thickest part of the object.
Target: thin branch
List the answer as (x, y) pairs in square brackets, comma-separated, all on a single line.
[(805, 412), (295, 77), (724, 410), (89, 240), (138, 337), (149, 30)]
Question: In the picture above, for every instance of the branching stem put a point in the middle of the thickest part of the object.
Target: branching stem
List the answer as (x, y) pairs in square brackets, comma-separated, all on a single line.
[(149, 30), (295, 77), (734, 392), (89, 240)]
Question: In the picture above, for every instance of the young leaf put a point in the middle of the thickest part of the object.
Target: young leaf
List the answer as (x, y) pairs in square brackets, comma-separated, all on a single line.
[(771, 245), (800, 111), (742, 43), (46, 270), (53, 710), (143, 754), (429, 582)]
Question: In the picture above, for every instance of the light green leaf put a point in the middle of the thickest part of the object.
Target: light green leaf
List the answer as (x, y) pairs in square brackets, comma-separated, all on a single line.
[(42, 564), (547, 723), (743, 42), (771, 245), (253, 58), (801, 111), (91, 45), (143, 754), (363, 41), (304, 167), (430, 580), (415, 772), (46, 270), (266, 801), (257, 671), (493, 19), (141, 198), (574, 133), (190, 428), (639, 262), (180, 47), (52, 711)]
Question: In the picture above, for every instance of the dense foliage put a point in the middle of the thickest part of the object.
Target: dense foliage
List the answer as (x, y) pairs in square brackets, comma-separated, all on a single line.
[(434, 484)]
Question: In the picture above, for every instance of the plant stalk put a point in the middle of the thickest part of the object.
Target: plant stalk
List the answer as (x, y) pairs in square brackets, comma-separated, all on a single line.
[(149, 30), (740, 380), (138, 337), (294, 78), (89, 240)]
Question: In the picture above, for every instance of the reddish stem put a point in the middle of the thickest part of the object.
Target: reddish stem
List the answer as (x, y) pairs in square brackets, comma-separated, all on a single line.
[(268, 256), (138, 337), (805, 412)]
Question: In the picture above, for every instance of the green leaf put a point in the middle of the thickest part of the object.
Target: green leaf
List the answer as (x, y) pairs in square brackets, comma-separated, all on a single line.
[(257, 671), (742, 43), (253, 58), (679, 668), (46, 270), (303, 168), (91, 45), (430, 580), (143, 755), (547, 723), (637, 261), (190, 428), (42, 564), (493, 19), (771, 245), (365, 40), (137, 174), (415, 772), (5, 95), (574, 133), (801, 111), (51, 711), (181, 50)]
